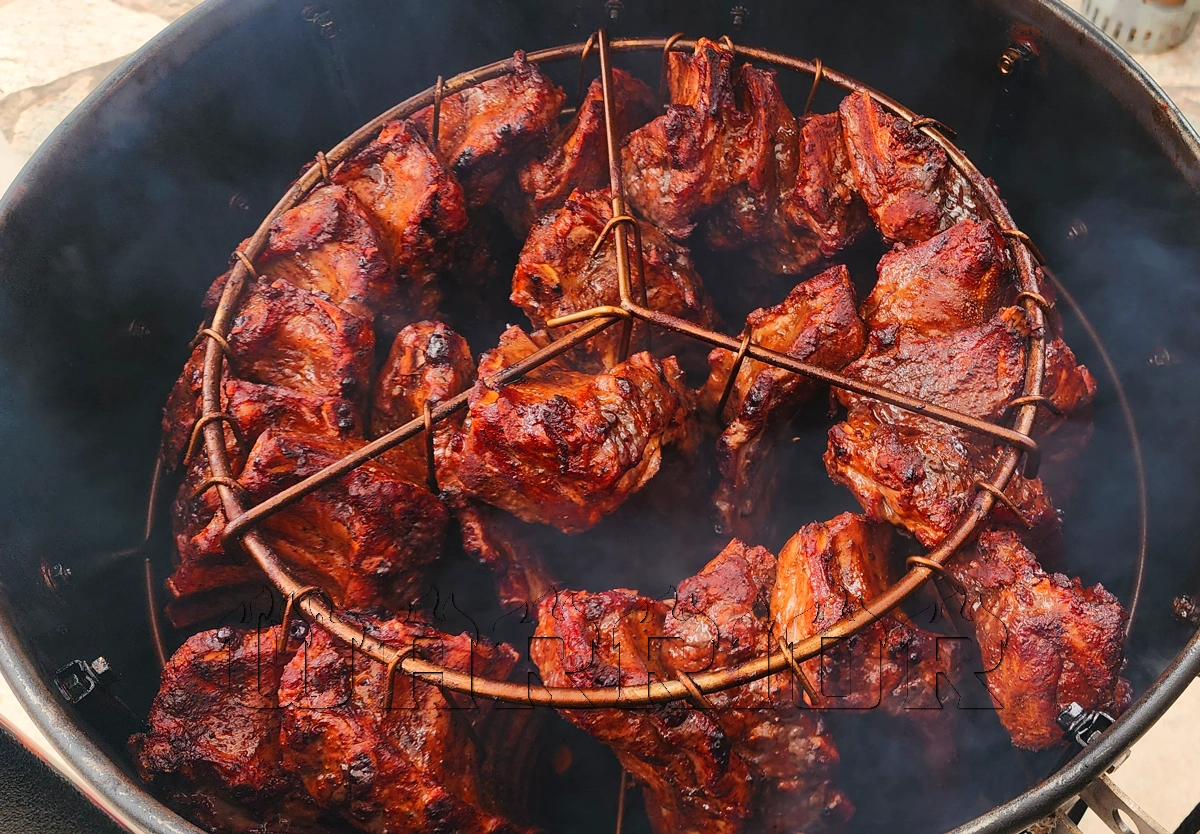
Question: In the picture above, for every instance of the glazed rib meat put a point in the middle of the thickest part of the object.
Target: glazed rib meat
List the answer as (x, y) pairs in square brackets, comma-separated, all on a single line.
[(940, 334), (557, 275), (566, 448), (692, 775), (578, 158), (823, 202), (495, 539), (416, 204), (817, 323), (330, 244), (366, 538), (683, 163), (431, 363), (245, 740), (826, 573), (763, 168), (721, 618), (415, 766), (1046, 640), (956, 279), (905, 178), (212, 750), (289, 337), (486, 130)]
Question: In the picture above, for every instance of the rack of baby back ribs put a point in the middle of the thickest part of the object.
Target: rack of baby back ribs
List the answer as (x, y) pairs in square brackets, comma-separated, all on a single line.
[(330, 426)]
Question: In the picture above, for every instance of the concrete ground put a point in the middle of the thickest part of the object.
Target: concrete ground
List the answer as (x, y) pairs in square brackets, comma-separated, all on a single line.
[(53, 52)]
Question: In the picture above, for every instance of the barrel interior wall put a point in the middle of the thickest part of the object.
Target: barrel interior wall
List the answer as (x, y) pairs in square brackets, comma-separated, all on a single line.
[(111, 238)]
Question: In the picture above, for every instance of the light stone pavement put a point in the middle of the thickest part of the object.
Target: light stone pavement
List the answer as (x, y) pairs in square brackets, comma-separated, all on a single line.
[(54, 52)]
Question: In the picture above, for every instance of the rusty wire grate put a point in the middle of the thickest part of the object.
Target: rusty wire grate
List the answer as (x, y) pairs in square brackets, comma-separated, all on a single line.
[(314, 603)]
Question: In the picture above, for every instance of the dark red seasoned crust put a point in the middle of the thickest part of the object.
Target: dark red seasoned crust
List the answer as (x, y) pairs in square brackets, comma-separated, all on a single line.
[(1046, 640), (486, 130)]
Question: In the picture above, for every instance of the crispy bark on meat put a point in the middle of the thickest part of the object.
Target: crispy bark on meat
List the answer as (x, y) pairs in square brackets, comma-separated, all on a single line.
[(413, 767), (817, 323), (367, 538), (330, 244), (495, 539), (763, 168), (683, 163), (905, 178), (566, 448), (920, 473), (578, 156), (212, 751), (431, 363), (416, 204), (691, 774), (557, 275), (921, 476), (206, 578), (181, 409), (826, 573), (1046, 640), (488, 129), (956, 279), (720, 618), (824, 200), (289, 337)]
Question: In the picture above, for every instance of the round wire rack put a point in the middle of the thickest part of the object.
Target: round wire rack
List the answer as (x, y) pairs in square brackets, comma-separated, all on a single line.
[(315, 605)]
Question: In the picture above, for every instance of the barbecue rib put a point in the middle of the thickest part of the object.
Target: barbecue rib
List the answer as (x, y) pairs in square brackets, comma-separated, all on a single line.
[(417, 206), (905, 178), (494, 538), (1046, 641), (413, 765), (577, 159), (212, 750), (431, 363), (720, 618), (289, 337), (824, 201), (488, 129), (566, 448), (693, 776), (826, 573), (817, 323), (556, 275)]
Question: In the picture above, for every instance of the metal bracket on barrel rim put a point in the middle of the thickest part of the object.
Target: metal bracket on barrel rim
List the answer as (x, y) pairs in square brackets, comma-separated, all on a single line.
[(1102, 796)]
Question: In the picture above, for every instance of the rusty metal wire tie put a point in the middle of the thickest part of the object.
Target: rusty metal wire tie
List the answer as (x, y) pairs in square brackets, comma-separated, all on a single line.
[(738, 358), (241, 256), (818, 72), (925, 562), (430, 461), (1036, 298), (695, 695), (224, 417), (392, 666), (294, 600), (663, 89), (435, 119), (209, 483), (1005, 500), (588, 46), (1040, 399), (1017, 234), (209, 333), (810, 691), (590, 313), (323, 165), (608, 227), (925, 121)]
